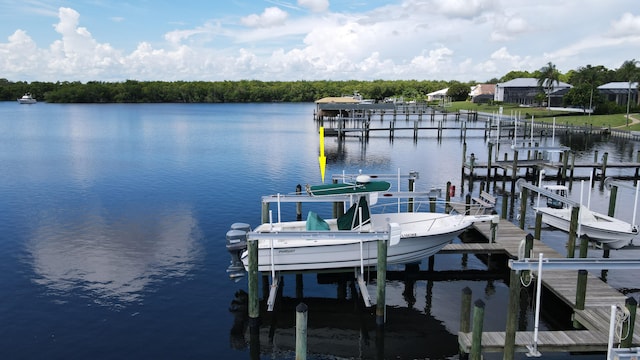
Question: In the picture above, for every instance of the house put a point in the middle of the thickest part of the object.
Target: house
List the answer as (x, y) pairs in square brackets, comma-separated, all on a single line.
[(482, 93), (618, 92), (524, 90), (437, 95)]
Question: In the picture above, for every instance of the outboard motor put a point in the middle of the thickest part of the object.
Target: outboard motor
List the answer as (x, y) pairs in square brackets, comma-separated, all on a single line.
[(236, 244)]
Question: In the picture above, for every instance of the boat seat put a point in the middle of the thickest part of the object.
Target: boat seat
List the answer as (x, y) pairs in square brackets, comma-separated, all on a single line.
[(315, 222), (351, 219)]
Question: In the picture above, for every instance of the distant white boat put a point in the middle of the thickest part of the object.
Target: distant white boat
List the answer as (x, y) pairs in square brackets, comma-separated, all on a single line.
[(27, 99), (606, 230)]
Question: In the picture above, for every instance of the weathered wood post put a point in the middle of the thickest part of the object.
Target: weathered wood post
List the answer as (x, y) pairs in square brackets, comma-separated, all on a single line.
[(464, 159), (411, 189), (467, 204), (538, 228), (523, 206), (581, 293), (505, 202), (298, 204), (447, 198), (381, 278), (512, 316), (254, 308), (612, 200), (301, 331), (565, 160), (494, 226), (573, 230), (627, 328), (573, 164), (605, 156), (476, 336), (265, 212), (489, 163)]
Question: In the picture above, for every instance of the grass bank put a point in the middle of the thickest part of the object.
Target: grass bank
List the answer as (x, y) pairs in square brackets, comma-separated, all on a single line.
[(544, 115)]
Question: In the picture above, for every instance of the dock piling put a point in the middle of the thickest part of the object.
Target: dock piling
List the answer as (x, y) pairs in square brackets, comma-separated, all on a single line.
[(301, 331), (478, 322)]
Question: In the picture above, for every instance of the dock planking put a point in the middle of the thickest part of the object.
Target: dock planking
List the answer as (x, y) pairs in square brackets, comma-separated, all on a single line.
[(562, 283)]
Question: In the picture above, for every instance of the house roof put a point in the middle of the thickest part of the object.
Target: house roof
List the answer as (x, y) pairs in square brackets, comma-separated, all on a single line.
[(483, 89), (618, 85), (529, 82), (439, 92)]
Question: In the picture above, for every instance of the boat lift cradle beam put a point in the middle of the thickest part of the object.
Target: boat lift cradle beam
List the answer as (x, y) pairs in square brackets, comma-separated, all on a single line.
[(294, 198), (522, 183), (393, 236), (575, 264)]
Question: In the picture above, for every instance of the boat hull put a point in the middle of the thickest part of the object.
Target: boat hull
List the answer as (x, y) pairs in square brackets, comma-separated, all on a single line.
[(612, 232), (423, 235)]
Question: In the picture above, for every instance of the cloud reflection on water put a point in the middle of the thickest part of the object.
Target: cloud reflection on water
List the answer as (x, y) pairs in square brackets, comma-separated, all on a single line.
[(114, 260)]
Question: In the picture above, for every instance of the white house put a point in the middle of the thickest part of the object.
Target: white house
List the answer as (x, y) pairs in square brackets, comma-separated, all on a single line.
[(437, 95)]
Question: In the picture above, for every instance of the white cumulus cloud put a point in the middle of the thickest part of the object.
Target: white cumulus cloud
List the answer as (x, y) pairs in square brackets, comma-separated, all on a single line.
[(271, 16), (315, 5)]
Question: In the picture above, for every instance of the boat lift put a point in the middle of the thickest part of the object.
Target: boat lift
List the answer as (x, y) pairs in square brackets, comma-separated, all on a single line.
[(526, 264)]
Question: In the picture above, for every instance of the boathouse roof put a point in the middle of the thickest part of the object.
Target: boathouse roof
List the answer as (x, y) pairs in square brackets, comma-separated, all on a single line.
[(337, 100)]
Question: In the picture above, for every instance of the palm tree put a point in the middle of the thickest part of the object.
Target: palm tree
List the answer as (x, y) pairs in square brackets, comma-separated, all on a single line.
[(629, 72), (548, 76)]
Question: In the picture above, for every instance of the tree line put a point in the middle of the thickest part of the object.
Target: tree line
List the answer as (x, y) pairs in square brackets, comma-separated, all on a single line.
[(585, 80), (132, 91)]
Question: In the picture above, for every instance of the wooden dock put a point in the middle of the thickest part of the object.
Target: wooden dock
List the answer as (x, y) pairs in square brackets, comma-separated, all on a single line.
[(562, 283)]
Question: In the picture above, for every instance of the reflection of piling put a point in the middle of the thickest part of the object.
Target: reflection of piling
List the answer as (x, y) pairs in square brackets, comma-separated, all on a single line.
[(381, 282), (465, 310)]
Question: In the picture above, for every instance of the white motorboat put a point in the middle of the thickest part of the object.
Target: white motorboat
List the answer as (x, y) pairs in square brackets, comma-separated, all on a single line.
[(27, 99), (351, 240), (606, 230)]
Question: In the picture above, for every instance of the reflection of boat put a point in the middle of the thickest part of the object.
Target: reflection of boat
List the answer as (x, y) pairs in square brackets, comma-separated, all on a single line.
[(341, 329), (351, 239), (27, 99), (606, 230)]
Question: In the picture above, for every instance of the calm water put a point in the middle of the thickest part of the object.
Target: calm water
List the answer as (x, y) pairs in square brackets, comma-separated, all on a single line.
[(112, 224)]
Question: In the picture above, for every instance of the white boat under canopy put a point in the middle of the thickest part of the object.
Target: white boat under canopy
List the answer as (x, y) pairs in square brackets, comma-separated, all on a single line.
[(351, 240)]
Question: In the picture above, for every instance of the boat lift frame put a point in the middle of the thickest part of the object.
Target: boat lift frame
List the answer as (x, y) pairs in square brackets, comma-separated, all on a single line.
[(527, 264)]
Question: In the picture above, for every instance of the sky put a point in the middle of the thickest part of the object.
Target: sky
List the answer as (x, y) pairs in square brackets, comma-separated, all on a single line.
[(280, 40)]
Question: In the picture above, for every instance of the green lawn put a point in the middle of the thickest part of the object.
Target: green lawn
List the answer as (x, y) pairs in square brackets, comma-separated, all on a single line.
[(544, 115)]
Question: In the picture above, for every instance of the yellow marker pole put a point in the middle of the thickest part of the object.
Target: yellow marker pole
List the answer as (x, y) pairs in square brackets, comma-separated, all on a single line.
[(322, 159)]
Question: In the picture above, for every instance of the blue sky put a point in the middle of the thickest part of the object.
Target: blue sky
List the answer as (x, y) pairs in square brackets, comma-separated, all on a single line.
[(106, 40)]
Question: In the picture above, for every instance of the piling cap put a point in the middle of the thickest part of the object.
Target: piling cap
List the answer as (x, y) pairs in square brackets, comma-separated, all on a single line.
[(302, 308)]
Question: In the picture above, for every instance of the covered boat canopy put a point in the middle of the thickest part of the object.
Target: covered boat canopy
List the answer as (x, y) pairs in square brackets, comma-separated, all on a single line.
[(362, 185)]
